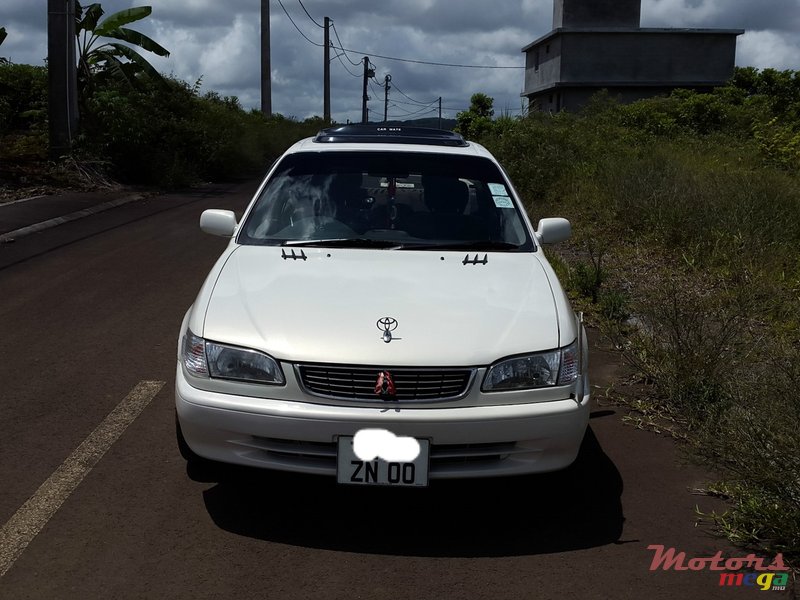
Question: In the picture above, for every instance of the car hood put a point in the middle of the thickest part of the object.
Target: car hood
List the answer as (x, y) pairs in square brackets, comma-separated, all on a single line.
[(326, 307)]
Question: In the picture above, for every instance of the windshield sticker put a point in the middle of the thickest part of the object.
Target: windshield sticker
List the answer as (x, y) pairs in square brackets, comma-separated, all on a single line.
[(503, 202), (498, 189)]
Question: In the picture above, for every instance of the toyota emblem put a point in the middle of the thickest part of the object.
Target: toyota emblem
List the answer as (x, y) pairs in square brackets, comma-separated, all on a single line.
[(387, 325)]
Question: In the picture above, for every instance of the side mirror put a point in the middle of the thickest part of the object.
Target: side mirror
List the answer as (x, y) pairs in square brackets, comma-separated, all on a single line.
[(553, 230), (218, 222)]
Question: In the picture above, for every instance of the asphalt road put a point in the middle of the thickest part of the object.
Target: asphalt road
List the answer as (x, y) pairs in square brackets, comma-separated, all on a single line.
[(90, 309)]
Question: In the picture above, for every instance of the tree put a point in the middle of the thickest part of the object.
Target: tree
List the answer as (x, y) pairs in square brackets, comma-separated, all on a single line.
[(117, 61), (477, 120)]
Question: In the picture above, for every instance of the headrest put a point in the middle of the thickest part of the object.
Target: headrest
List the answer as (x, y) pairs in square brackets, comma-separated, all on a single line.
[(445, 194)]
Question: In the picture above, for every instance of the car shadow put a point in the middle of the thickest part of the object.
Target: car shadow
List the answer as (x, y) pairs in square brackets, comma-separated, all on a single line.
[(576, 508)]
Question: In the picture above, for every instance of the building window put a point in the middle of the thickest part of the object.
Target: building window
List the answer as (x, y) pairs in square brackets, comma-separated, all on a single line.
[(547, 49), (536, 60)]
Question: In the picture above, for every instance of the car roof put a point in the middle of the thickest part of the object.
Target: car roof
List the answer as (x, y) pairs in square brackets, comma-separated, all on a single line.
[(376, 138), (390, 134)]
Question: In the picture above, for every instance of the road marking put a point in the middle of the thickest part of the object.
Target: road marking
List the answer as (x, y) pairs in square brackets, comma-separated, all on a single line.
[(29, 520), (10, 202), (74, 216)]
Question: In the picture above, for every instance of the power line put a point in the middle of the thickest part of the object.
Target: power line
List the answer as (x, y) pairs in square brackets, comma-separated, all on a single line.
[(296, 27), (425, 109), (403, 117), (344, 51), (416, 104), (336, 33), (377, 92), (412, 99), (407, 60), (425, 62), (313, 20), (346, 68)]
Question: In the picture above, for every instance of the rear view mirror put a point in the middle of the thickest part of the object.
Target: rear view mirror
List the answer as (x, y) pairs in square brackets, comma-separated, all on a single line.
[(553, 230), (218, 222)]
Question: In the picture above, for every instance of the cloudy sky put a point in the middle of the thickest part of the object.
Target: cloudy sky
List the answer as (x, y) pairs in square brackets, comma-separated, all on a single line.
[(219, 41)]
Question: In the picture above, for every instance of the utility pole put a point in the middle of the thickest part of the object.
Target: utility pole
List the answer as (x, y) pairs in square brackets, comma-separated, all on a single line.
[(364, 98), (266, 67), (386, 88), (62, 76), (326, 77), (440, 112)]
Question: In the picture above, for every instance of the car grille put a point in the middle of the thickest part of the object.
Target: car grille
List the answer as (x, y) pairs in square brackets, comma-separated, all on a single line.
[(358, 383)]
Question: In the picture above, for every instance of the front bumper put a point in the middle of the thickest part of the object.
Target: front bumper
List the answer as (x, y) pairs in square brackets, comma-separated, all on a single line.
[(301, 436)]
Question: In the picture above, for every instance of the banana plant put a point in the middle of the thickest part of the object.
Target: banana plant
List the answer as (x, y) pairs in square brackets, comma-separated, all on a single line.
[(119, 61)]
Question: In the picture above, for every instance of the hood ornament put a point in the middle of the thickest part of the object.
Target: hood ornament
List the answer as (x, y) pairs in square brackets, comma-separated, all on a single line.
[(384, 385), (388, 325)]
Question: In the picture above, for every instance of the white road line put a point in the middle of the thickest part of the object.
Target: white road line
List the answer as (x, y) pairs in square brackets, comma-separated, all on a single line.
[(29, 520), (9, 203), (74, 216)]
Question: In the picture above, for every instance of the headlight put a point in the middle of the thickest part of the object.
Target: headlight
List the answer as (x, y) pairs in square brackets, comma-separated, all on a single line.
[(203, 359), (557, 367), (226, 362)]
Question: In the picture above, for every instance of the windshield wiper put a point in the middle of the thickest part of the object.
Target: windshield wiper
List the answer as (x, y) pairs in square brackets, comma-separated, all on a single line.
[(343, 243), (479, 245)]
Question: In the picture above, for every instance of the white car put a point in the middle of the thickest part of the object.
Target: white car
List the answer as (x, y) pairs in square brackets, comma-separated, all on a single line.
[(383, 282)]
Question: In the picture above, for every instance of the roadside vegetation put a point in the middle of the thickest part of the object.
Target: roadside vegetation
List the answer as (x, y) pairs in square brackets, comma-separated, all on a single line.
[(164, 133), (136, 126), (687, 254)]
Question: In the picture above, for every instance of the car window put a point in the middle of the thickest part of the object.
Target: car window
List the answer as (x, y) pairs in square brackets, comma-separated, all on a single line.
[(421, 199)]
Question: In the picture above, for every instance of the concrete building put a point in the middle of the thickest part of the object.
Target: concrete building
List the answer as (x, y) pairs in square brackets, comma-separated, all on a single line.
[(598, 44)]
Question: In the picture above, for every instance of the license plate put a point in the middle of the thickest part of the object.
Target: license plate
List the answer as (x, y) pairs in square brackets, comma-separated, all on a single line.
[(354, 471)]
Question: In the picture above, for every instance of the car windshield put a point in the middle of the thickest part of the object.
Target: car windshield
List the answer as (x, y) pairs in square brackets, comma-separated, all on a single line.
[(397, 200)]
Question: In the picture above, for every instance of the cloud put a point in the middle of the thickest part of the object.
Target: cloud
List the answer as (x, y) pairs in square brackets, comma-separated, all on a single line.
[(778, 15), (200, 13), (764, 49), (771, 26), (221, 42), (25, 44)]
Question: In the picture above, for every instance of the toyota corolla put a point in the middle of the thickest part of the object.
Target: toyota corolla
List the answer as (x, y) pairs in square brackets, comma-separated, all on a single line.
[(383, 280)]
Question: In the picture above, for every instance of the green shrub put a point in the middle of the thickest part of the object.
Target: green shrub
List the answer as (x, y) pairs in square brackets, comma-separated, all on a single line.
[(23, 97), (174, 137), (780, 144), (614, 306), (23, 111), (586, 279)]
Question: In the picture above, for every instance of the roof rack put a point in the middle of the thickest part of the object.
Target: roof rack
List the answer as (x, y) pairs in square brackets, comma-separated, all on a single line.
[(384, 134)]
